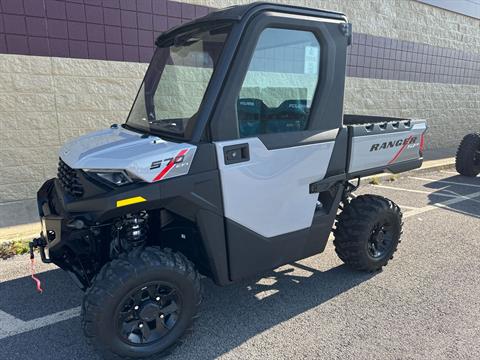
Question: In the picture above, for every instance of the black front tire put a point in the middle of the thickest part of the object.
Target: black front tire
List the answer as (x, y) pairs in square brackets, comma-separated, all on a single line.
[(467, 161), (368, 232), (121, 280)]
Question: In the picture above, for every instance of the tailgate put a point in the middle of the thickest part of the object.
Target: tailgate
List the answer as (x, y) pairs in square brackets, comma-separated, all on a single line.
[(394, 146)]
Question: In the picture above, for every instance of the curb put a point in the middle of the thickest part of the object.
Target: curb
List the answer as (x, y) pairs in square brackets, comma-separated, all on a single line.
[(19, 232)]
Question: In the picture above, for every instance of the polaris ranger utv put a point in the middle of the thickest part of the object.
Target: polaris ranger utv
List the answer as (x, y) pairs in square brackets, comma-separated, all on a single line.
[(236, 158)]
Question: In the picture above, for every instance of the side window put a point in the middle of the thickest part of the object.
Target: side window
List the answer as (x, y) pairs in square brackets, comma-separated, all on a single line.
[(280, 83)]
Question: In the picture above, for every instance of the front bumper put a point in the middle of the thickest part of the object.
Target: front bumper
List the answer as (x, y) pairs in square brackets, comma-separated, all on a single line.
[(74, 229), (51, 223), (70, 248), (50, 234), (60, 214)]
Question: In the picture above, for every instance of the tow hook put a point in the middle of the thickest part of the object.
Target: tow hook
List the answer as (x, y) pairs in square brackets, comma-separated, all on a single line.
[(40, 243)]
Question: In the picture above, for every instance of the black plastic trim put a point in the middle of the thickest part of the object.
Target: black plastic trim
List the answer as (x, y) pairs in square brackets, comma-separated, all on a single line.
[(385, 127), (234, 154), (353, 119), (239, 12), (338, 160), (327, 183), (205, 159), (296, 138), (393, 168)]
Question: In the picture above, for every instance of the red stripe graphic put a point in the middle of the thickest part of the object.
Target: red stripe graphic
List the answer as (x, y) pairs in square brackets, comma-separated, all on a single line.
[(407, 141), (422, 142), (169, 166)]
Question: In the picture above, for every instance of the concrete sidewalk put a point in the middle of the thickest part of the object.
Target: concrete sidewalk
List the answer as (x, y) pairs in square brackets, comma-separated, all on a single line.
[(28, 231)]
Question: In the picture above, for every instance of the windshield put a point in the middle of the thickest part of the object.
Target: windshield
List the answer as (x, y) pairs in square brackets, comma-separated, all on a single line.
[(176, 81)]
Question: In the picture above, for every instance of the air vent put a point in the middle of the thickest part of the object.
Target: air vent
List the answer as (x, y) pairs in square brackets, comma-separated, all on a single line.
[(69, 179)]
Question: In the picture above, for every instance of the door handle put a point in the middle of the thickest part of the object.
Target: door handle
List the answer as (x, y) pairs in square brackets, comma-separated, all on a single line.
[(237, 153)]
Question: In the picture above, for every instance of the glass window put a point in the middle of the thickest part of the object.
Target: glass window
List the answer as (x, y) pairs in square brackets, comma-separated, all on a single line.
[(280, 83), (176, 81)]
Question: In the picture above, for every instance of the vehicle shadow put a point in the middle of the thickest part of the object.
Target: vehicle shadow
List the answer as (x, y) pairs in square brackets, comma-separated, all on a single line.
[(229, 316), (20, 298), (239, 312), (459, 186)]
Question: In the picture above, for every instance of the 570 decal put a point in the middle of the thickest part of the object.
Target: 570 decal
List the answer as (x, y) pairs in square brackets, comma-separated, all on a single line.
[(158, 164), (171, 162)]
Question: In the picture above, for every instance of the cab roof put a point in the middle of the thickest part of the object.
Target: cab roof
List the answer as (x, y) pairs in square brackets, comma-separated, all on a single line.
[(239, 12)]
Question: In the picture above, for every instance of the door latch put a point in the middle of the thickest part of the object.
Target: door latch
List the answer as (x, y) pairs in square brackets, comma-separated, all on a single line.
[(236, 153)]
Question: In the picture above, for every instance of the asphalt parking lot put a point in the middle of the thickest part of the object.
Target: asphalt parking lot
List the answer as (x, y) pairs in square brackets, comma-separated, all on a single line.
[(424, 305)]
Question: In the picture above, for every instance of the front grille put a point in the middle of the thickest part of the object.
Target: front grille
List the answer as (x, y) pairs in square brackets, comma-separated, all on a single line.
[(69, 179)]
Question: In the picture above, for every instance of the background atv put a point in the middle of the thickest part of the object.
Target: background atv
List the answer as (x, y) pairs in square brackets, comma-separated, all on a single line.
[(467, 161), (235, 159)]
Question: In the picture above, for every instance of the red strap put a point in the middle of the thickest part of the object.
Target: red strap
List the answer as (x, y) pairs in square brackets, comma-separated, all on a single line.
[(37, 281)]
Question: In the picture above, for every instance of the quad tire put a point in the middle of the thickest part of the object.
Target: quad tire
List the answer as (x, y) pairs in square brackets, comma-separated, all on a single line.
[(368, 232), (467, 161), (141, 304)]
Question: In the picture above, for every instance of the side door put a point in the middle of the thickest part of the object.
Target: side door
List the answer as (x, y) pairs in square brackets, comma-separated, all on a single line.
[(277, 141)]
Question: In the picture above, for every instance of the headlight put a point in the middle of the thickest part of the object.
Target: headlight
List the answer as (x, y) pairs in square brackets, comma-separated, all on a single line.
[(114, 177)]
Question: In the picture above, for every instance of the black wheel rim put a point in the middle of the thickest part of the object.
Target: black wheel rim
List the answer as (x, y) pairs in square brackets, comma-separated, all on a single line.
[(380, 241), (148, 313)]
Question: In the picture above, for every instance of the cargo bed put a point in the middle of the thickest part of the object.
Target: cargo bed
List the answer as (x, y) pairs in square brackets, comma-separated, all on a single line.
[(379, 144)]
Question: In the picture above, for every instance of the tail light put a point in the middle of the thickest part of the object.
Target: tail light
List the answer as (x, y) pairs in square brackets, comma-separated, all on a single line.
[(422, 143)]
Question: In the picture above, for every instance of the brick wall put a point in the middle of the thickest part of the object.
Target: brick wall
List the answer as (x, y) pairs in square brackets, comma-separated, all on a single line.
[(121, 30)]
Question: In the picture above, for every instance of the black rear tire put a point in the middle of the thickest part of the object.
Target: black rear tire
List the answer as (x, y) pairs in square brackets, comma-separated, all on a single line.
[(151, 289), (467, 161), (368, 232)]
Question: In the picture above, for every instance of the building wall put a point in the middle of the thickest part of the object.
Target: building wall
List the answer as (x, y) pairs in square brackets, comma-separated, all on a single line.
[(44, 102), (68, 67), (397, 19)]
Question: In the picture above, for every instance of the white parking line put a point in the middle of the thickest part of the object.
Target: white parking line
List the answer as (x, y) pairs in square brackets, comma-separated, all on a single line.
[(10, 325), (463, 212), (415, 191), (443, 204), (444, 181), (449, 172), (460, 195), (407, 207)]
